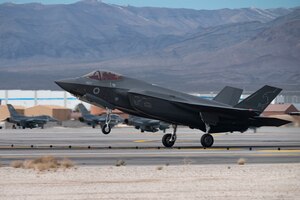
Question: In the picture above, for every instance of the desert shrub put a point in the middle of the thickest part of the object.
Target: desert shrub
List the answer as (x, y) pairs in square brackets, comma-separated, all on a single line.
[(43, 163), (120, 163), (241, 161)]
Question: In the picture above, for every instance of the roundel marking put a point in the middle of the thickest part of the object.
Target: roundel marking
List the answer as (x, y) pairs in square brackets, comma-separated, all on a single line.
[(96, 90)]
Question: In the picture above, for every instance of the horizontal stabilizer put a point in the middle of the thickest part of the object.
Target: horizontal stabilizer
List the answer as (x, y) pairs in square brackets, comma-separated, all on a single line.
[(260, 99), (229, 96), (269, 121)]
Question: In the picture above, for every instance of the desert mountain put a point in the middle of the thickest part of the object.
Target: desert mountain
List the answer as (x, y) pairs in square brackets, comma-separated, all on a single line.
[(187, 49)]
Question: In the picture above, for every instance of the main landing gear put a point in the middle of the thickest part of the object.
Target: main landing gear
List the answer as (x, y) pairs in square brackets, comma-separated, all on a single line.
[(207, 140), (169, 140), (106, 127)]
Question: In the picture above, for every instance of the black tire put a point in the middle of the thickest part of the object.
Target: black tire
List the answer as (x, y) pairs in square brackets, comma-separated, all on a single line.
[(207, 140), (166, 140), (106, 129)]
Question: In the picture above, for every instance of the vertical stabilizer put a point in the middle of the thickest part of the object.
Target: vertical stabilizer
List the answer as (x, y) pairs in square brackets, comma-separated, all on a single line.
[(83, 109), (229, 96), (12, 111), (260, 99)]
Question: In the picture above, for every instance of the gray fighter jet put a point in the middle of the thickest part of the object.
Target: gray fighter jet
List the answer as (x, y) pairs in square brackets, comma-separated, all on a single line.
[(139, 98), (27, 122), (146, 124), (106, 122)]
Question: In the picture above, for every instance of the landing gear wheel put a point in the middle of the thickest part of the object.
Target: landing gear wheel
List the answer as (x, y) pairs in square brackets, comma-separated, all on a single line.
[(207, 140), (106, 129), (168, 141)]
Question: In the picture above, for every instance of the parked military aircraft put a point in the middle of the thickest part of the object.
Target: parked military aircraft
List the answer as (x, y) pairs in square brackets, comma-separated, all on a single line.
[(106, 122), (27, 122), (112, 90), (146, 124)]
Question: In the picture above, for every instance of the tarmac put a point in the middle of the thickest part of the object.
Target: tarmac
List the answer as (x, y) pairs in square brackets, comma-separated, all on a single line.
[(87, 146)]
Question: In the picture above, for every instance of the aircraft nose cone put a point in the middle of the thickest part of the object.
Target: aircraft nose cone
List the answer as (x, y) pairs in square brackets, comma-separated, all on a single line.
[(72, 86), (65, 84)]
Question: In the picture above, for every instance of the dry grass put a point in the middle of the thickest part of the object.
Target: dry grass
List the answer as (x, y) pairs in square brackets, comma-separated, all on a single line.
[(241, 161), (16, 164), (66, 163), (43, 163)]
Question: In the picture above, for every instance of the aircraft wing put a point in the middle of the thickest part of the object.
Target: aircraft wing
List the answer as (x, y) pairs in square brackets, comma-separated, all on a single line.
[(99, 119), (144, 101), (140, 121), (152, 122), (35, 121), (136, 122), (229, 95)]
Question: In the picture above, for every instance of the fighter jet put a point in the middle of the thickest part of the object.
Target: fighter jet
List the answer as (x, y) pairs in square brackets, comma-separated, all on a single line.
[(106, 122), (146, 124), (27, 122), (136, 97)]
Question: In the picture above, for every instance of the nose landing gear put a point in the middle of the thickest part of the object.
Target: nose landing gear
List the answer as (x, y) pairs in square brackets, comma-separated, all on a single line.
[(169, 140), (106, 128)]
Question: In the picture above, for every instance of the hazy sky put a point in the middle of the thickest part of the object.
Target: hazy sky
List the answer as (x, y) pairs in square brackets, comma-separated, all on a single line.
[(195, 4)]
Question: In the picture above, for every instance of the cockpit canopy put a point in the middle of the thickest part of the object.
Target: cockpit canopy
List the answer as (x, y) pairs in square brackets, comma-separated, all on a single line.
[(103, 76)]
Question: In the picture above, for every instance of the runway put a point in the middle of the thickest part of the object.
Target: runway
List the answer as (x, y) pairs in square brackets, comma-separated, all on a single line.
[(87, 146)]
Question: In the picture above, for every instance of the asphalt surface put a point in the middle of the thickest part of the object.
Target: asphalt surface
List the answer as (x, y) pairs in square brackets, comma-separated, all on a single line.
[(87, 146)]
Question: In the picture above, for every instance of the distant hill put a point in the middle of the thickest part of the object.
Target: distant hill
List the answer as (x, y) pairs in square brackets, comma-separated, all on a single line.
[(185, 49)]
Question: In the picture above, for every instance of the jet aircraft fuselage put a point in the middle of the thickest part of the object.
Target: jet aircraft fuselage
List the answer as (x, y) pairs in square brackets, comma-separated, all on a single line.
[(26, 121), (136, 97), (119, 92)]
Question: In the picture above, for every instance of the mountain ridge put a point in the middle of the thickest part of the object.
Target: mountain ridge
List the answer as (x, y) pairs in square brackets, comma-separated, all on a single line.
[(211, 48)]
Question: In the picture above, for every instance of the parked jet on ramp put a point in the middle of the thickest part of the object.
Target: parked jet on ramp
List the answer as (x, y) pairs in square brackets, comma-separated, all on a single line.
[(106, 122), (111, 90), (27, 122), (146, 124)]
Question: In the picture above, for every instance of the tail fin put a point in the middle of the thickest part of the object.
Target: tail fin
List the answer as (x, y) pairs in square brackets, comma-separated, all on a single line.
[(12, 110), (229, 96), (260, 99), (83, 109)]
